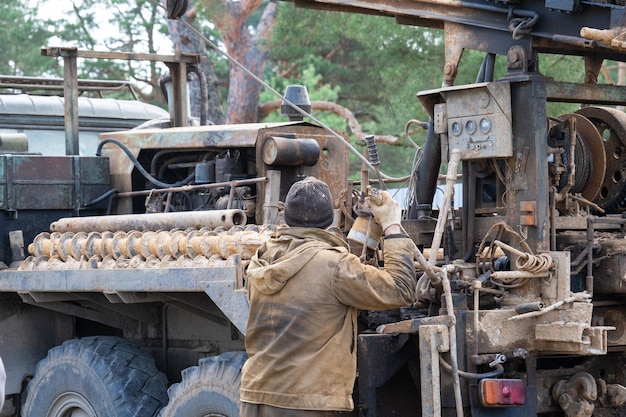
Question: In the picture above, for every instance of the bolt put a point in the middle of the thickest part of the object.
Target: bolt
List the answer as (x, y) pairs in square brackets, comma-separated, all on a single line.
[(500, 359)]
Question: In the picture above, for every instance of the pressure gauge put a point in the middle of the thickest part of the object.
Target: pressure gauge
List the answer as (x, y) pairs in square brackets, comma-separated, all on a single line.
[(456, 128), (485, 125), (470, 126)]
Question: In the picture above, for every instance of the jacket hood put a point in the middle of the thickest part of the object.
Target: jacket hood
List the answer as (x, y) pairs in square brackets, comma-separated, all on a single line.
[(279, 259)]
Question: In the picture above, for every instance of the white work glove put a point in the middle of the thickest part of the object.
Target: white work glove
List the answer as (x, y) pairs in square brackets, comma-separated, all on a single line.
[(385, 209)]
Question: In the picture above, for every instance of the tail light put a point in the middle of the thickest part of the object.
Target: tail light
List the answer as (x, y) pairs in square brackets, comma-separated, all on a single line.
[(502, 392)]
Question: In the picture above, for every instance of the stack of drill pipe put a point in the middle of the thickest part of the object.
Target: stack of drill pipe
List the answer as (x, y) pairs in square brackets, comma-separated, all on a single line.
[(44, 263), (154, 221), (147, 249)]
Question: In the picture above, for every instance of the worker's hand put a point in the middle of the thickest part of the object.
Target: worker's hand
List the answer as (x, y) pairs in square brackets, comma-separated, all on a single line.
[(384, 208)]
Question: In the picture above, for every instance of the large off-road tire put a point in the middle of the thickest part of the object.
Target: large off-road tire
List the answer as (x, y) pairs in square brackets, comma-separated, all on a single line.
[(209, 389), (96, 377)]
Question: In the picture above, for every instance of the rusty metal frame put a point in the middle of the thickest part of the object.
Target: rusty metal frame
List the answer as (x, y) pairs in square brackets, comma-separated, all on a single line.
[(177, 65), (489, 27)]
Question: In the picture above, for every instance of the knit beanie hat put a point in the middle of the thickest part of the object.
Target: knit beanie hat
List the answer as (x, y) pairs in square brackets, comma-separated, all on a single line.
[(309, 204)]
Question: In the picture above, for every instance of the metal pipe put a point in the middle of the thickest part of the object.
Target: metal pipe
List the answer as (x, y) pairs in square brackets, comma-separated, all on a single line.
[(499, 370), (511, 249), (528, 307), (575, 298), (70, 96), (511, 275), (467, 213), (553, 215), (476, 286), (293, 152), (455, 157), (589, 276), (447, 291), (152, 221)]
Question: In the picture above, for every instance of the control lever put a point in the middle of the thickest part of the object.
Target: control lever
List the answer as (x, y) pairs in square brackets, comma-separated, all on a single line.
[(372, 151)]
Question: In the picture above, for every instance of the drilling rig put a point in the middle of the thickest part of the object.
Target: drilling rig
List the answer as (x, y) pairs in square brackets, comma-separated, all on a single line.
[(134, 282), (525, 307)]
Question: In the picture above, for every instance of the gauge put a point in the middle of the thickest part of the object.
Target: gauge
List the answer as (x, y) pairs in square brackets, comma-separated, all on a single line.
[(470, 126), (485, 125), (456, 128)]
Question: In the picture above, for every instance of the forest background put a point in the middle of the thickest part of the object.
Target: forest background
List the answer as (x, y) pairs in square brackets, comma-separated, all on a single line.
[(362, 72)]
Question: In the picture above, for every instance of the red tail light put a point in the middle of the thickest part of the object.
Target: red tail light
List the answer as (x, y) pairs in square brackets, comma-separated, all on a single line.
[(502, 392)]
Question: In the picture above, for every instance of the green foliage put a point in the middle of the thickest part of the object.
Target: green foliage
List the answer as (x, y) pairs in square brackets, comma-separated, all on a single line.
[(117, 25), (23, 35), (378, 65), (317, 92), (562, 68), (470, 67), (127, 27), (368, 64)]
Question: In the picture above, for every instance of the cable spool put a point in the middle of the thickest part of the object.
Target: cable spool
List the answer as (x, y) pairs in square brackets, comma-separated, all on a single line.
[(590, 164), (610, 125)]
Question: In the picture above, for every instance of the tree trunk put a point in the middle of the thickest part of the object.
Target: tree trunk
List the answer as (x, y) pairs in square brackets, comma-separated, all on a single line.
[(186, 41), (244, 91), (246, 48)]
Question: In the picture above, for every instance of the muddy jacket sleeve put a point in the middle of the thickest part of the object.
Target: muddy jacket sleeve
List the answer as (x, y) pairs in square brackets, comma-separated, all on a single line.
[(369, 288)]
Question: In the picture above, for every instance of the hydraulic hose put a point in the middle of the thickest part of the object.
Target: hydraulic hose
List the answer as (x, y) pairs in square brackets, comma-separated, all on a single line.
[(499, 370), (141, 169), (102, 197), (453, 164), (428, 173)]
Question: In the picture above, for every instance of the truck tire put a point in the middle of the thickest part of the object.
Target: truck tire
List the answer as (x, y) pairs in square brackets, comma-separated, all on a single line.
[(96, 376), (209, 389)]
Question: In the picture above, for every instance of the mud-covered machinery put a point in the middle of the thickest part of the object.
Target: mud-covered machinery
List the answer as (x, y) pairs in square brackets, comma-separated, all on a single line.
[(167, 222), (128, 266), (521, 303), (135, 258), (211, 177)]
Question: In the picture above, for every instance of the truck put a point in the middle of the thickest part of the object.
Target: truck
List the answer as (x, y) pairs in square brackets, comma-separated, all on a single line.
[(124, 292)]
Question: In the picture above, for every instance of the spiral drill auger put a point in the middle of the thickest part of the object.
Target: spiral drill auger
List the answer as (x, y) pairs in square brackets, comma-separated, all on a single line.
[(135, 249)]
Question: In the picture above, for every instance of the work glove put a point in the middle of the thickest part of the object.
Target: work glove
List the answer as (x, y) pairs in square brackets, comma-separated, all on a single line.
[(385, 209)]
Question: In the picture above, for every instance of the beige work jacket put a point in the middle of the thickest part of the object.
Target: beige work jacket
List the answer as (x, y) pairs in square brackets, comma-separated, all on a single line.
[(305, 288)]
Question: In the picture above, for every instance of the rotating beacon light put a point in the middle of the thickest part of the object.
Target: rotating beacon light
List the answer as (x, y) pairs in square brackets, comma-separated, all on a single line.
[(298, 95)]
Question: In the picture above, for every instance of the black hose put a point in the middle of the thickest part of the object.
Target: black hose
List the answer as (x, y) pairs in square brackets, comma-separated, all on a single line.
[(428, 173), (485, 74), (108, 195), (141, 169), (468, 216), (101, 198)]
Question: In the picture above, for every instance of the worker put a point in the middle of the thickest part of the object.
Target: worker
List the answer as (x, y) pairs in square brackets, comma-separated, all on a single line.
[(305, 288)]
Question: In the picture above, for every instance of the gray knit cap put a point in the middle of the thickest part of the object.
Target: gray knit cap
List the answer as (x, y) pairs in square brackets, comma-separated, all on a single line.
[(309, 204)]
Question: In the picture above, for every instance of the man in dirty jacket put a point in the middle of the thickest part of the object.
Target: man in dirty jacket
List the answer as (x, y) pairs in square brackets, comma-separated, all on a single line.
[(305, 288)]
